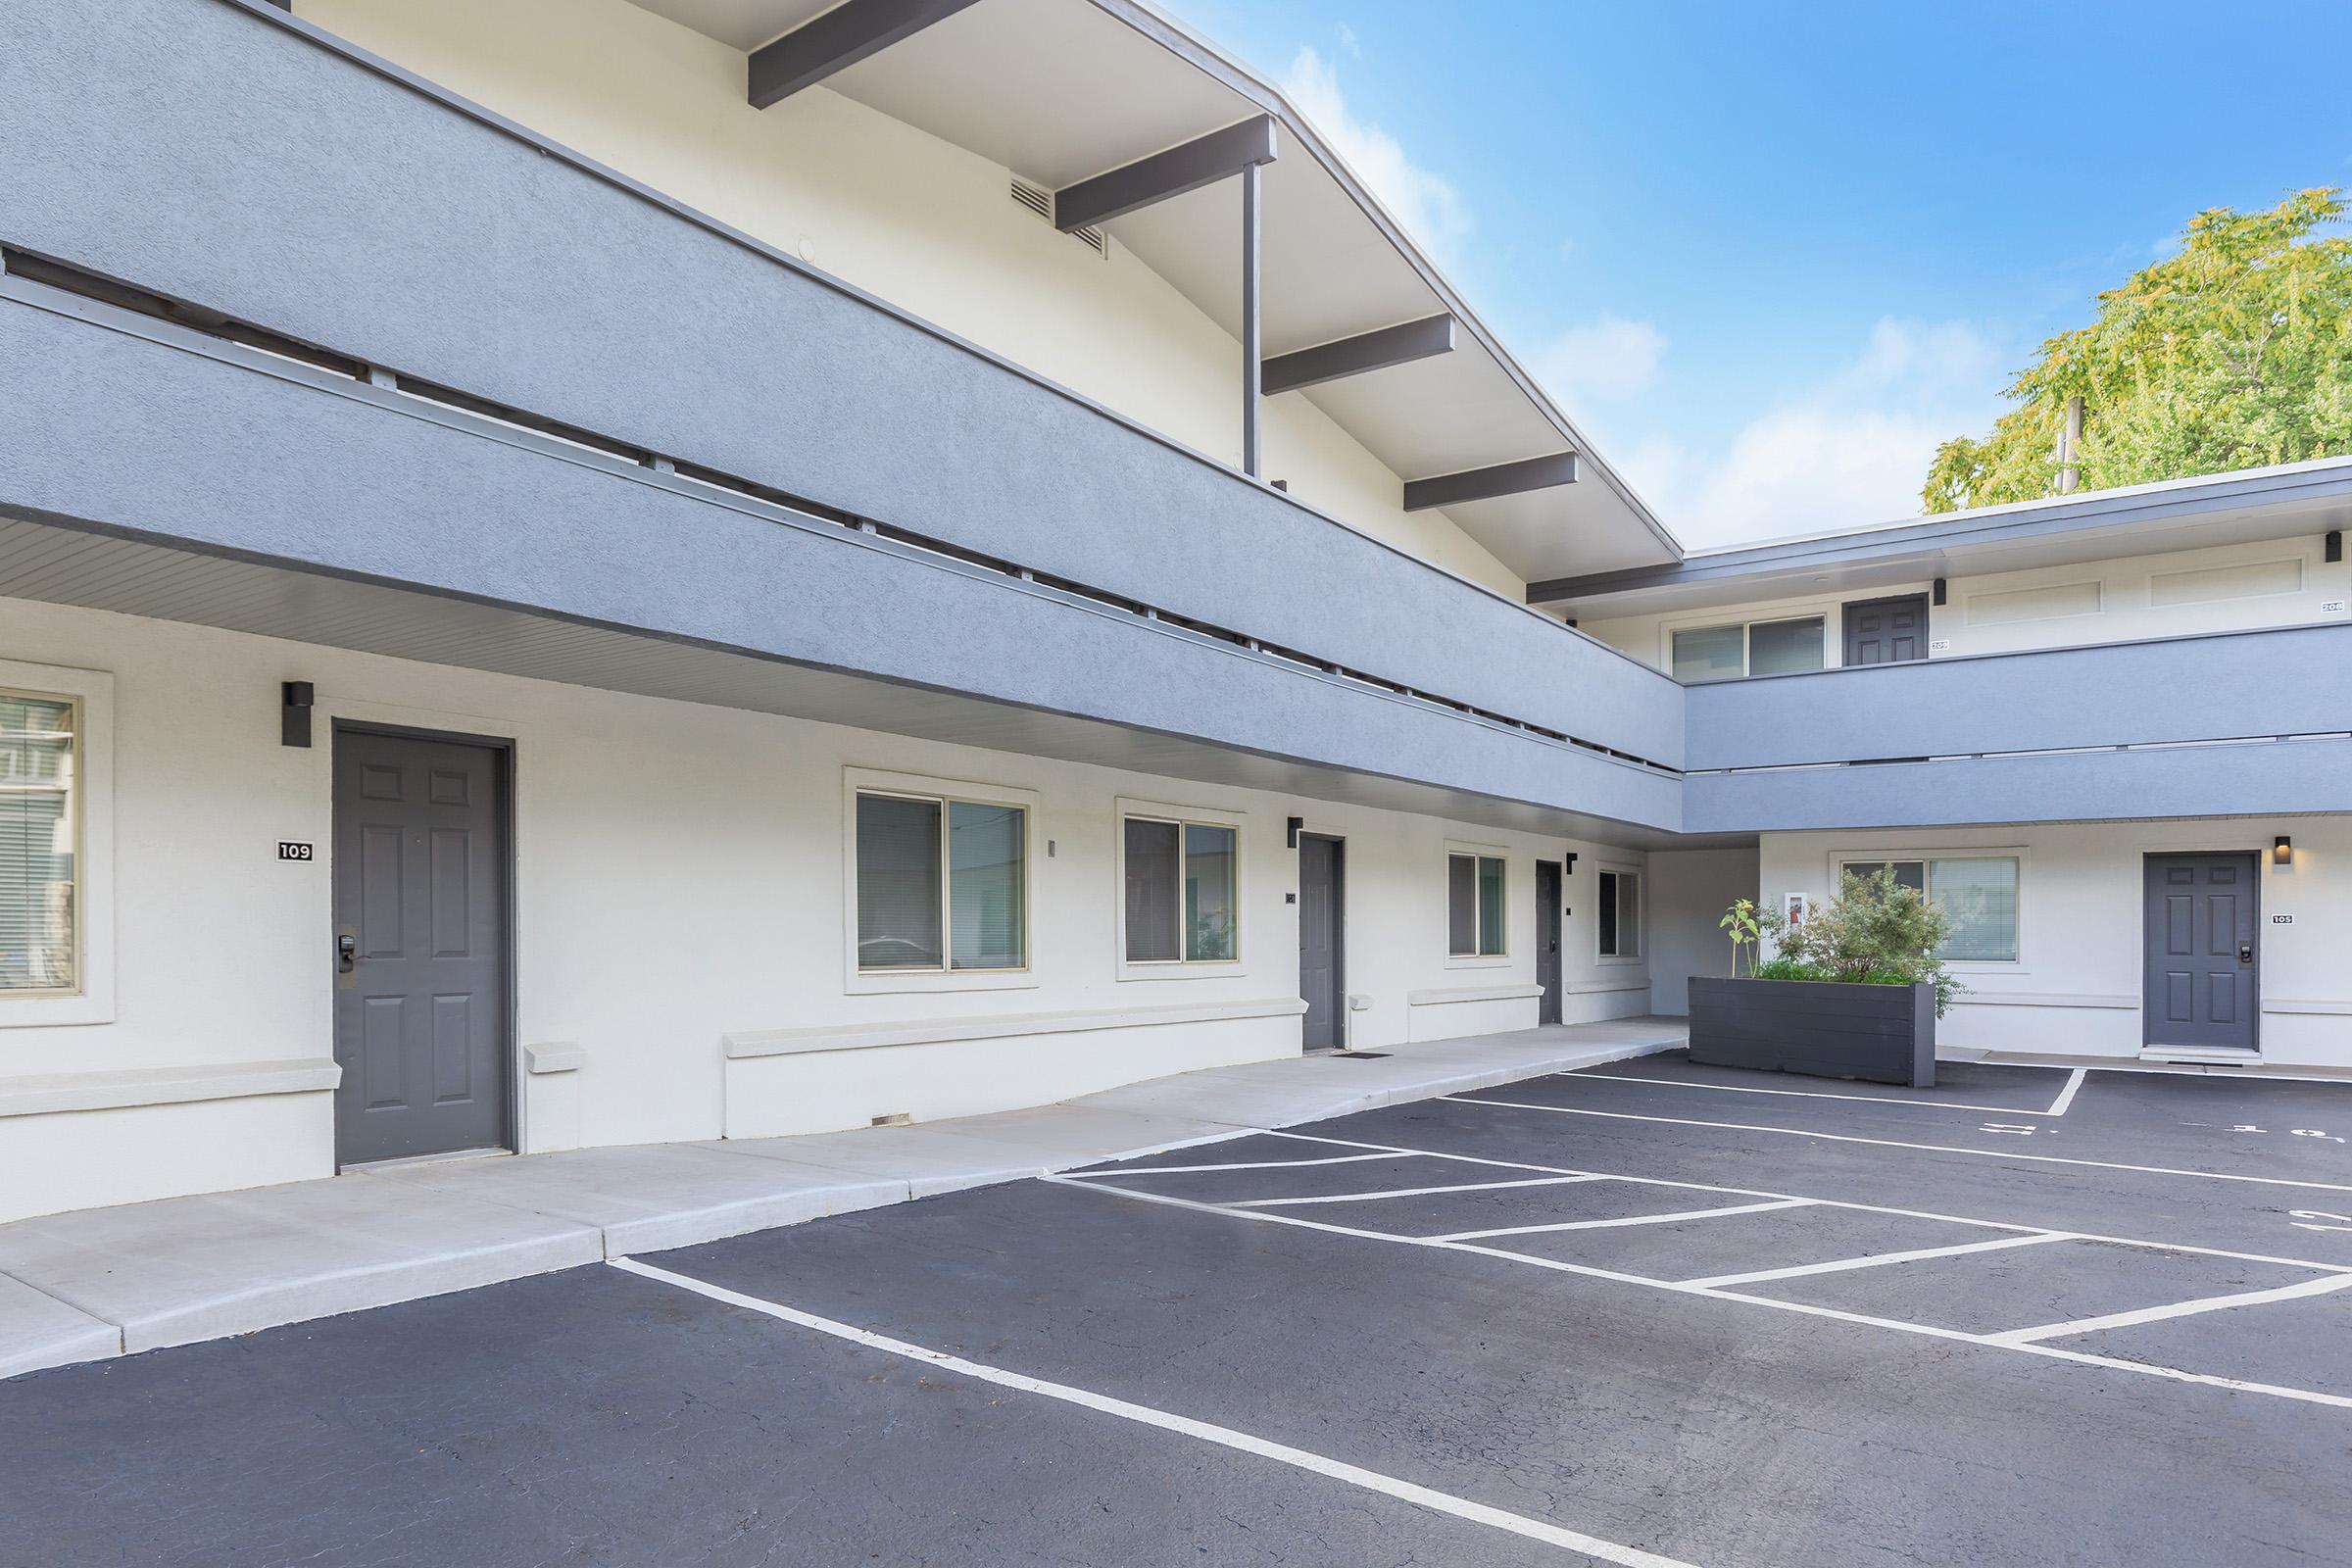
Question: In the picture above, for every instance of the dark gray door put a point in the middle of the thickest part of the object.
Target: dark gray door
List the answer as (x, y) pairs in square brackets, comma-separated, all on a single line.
[(1547, 940), (1887, 631), (1323, 940), (421, 947), (2204, 957)]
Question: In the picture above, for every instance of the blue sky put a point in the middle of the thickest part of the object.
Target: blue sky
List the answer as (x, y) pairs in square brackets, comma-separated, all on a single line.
[(1769, 256)]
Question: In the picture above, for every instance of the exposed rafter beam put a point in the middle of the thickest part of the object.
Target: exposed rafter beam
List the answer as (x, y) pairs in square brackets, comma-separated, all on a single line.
[(1367, 351), (1202, 161), (837, 41), (1483, 485)]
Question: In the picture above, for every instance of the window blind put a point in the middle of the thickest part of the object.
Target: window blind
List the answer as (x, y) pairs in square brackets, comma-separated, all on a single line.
[(39, 834), (1461, 906), (985, 918), (1152, 900), (898, 883)]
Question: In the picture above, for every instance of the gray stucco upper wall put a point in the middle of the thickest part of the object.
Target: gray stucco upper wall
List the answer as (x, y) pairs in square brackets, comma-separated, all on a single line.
[(2284, 681), (210, 151), (151, 432), (2260, 779)]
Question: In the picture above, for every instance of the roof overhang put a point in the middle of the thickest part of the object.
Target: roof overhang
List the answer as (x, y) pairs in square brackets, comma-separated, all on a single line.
[(2290, 501), (1063, 91)]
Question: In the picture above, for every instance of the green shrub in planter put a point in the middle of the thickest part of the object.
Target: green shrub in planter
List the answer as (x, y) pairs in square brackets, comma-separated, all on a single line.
[(1876, 932)]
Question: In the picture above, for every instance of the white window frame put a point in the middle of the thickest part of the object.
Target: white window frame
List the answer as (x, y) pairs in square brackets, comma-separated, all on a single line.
[(92, 998), (1831, 656), (1641, 954), (857, 981), (1474, 853), (1179, 968), (1842, 858)]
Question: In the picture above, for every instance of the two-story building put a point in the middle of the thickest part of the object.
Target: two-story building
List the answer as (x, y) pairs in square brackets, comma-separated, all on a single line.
[(586, 572)]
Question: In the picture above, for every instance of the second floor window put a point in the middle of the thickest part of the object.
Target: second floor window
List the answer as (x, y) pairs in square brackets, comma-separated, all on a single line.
[(941, 884), (1750, 648)]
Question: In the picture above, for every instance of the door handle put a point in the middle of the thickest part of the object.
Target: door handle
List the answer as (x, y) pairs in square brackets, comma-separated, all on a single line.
[(2245, 953), (347, 951)]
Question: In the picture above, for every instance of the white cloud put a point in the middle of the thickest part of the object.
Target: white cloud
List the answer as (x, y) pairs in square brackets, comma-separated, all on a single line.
[(1849, 451), (1350, 44), (1607, 359), (1425, 203)]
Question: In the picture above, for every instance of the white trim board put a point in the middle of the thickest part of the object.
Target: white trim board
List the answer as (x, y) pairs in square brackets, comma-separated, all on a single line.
[(49, 1093)]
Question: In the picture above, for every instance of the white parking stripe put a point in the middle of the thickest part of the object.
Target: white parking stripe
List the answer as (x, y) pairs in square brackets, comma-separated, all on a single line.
[(1842, 1264), (2157, 1314), (1420, 1497), (1891, 1142), (1412, 1191), (1808, 1094), (1257, 1164), (1864, 1208), (1621, 1220), (2066, 1095), (1802, 1308)]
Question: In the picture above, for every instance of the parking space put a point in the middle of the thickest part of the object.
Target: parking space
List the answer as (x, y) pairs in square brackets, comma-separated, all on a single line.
[(1642, 1316)]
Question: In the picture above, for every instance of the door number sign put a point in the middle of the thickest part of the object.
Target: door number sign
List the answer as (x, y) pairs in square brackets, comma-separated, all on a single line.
[(288, 850)]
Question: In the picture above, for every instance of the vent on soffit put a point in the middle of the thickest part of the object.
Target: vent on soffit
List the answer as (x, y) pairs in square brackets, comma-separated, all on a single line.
[(1041, 201)]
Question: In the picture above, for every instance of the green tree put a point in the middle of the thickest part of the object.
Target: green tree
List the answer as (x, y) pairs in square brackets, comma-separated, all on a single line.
[(2234, 352)]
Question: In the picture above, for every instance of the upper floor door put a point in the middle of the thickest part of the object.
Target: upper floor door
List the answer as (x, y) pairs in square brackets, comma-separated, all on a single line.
[(1887, 631)]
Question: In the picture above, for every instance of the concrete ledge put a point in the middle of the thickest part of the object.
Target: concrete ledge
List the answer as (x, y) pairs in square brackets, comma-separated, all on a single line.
[(556, 1057), (1455, 994), (2045, 999), (995, 1026), (45, 1094)]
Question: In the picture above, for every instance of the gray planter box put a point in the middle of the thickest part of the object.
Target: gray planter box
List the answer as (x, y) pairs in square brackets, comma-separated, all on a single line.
[(1881, 1034)]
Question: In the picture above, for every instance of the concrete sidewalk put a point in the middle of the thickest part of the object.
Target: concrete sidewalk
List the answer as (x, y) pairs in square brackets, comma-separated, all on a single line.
[(106, 1282)]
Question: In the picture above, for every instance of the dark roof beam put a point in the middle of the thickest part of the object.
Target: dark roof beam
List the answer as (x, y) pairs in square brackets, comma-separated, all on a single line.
[(1485, 485), (1202, 161), (837, 41), (1353, 356)]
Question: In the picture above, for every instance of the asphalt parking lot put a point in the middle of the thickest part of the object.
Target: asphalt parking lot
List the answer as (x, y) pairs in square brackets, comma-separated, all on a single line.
[(1648, 1314)]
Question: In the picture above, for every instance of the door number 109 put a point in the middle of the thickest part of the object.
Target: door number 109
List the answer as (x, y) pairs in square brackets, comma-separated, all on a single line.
[(290, 851)]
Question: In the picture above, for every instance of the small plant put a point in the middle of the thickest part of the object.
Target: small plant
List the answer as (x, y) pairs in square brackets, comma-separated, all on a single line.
[(1741, 923), (1875, 932)]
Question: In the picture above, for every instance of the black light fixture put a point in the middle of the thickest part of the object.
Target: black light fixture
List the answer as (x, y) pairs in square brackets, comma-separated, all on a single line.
[(1570, 868), (2282, 851), (1940, 590), (2332, 545), (1296, 822), (294, 713)]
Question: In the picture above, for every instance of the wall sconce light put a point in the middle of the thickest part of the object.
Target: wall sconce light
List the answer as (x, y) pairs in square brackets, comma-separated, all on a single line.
[(2282, 851), (1295, 823), (294, 713)]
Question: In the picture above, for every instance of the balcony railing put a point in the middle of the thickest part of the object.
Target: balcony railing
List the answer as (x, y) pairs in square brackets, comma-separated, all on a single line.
[(224, 154)]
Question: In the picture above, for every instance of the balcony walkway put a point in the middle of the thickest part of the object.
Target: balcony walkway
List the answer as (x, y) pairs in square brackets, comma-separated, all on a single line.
[(105, 1282)]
